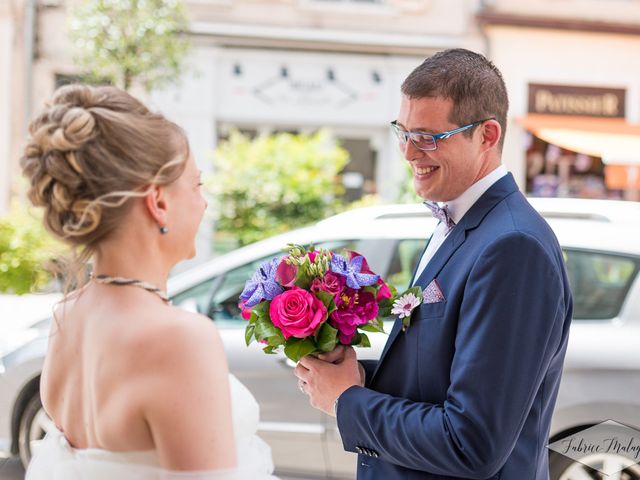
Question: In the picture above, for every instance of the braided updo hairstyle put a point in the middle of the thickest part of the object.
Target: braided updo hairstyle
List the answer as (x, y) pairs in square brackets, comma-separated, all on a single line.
[(89, 152)]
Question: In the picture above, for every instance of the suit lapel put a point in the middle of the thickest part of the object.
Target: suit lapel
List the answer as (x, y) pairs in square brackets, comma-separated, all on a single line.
[(453, 241), (496, 193)]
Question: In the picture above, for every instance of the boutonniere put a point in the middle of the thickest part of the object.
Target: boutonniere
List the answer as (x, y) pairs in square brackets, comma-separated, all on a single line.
[(405, 304)]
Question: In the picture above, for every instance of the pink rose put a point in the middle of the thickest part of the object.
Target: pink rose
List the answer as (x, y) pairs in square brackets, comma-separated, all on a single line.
[(297, 313), (354, 308), (286, 274), (246, 312), (331, 283), (312, 256)]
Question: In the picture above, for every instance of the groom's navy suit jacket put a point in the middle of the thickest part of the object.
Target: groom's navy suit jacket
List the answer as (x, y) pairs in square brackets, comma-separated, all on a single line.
[(469, 389)]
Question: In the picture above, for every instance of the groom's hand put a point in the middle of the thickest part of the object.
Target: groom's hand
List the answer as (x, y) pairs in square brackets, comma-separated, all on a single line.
[(337, 356), (325, 379)]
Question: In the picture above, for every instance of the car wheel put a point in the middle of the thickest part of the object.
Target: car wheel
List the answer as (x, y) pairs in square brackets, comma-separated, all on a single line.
[(589, 467), (34, 424)]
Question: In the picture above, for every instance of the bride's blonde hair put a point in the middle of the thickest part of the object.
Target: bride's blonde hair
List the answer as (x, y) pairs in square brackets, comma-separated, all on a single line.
[(89, 152)]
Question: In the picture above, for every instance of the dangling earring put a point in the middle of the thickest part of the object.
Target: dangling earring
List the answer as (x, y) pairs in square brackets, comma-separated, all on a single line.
[(164, 230)]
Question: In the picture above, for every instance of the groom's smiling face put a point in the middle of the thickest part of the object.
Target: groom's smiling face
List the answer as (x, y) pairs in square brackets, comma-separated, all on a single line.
[(458, 162)]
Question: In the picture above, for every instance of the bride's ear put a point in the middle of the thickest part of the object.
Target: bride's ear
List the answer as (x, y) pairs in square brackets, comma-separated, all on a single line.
[(156, 203)]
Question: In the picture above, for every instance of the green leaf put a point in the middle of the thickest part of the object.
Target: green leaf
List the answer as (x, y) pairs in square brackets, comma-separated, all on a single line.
[(406, 321), (303, 278), (296, 348), (361, 340), (328, 301), (248, 334), (270, 349), (417, 291), (327, 338), (253, 318), (385, 307), (265, 328), (262, 308), (276, 340), (375, 325)]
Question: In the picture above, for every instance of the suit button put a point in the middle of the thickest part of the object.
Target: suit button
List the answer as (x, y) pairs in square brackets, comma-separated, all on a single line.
[(358, 449), (375, 454)]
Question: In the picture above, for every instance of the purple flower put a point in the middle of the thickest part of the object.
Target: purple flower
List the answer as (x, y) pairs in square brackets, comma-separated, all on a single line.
[(262, 285), (352, 271)]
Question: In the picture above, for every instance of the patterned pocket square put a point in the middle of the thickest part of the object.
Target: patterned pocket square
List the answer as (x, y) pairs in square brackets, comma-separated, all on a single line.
[(433, 293)]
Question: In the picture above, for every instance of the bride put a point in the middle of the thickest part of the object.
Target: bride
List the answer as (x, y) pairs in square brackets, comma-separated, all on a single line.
[(136, 388)]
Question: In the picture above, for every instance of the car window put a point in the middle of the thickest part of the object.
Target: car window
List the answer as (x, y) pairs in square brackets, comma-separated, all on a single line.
[(224, 303), (405, 258), (599, 282), (196, 298)]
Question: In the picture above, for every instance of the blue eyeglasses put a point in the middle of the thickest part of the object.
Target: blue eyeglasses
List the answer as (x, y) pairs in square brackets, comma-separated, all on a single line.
[(428, 141)]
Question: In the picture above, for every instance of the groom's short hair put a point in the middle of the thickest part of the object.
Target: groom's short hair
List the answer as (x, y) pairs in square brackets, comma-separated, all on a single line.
[(470, 80)]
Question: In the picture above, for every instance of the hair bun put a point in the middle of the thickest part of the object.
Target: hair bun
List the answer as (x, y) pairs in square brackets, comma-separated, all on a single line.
[(76, 127), (92, 149)]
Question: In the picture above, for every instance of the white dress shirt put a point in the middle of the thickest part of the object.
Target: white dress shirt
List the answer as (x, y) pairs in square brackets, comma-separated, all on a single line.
[(457, 209)]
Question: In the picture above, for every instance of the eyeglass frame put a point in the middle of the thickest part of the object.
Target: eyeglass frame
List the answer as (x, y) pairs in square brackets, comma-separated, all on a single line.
[(435, 136)]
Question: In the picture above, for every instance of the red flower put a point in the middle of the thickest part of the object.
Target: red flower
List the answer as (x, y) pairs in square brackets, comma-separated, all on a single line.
[(355, 308), (286, 274), (383, 292), (331, 283), (246, 312)]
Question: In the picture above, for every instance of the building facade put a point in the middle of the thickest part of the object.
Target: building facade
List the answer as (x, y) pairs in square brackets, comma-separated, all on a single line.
[(573, 76), (298, 65), (279, 65)]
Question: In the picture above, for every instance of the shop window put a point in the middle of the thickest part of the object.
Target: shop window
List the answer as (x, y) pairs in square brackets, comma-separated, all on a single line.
[(556, 172), (359, 176)]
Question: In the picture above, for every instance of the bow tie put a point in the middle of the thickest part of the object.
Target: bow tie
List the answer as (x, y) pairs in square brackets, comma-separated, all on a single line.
[(441, 213)]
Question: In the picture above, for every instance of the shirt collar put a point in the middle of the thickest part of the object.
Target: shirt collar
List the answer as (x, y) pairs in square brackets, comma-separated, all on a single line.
[(461, 205)]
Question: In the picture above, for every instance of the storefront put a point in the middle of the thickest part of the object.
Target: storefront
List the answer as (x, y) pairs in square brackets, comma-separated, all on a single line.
[(574, 87), (580, 143)]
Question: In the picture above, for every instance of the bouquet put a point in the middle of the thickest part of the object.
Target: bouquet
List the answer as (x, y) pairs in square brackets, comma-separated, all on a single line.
[(309, 301)]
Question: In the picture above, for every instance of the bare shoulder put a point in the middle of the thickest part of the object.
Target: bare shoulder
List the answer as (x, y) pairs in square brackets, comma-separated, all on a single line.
[(175, 339), (183, 392)]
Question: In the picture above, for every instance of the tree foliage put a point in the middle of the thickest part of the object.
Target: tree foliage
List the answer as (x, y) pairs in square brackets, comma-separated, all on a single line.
[(275, 183), (123, 41), (25, 248)]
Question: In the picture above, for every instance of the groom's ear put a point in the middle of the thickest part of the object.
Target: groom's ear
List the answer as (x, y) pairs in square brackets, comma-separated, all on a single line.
[(491, 132), (156, 204)]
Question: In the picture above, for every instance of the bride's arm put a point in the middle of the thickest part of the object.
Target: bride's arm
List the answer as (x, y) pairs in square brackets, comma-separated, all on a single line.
[(187, 403)]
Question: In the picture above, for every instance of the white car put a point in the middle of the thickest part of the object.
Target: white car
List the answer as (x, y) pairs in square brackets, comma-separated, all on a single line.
[(601, 241)]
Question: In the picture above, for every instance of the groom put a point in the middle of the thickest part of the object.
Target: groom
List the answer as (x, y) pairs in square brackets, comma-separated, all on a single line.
[(468, 390)]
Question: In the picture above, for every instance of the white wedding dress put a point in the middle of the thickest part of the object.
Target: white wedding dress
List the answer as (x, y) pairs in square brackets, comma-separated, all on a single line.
[(55, 459)]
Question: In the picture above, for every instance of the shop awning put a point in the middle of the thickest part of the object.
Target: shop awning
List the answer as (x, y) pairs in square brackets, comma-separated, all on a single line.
[(613, 140)]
